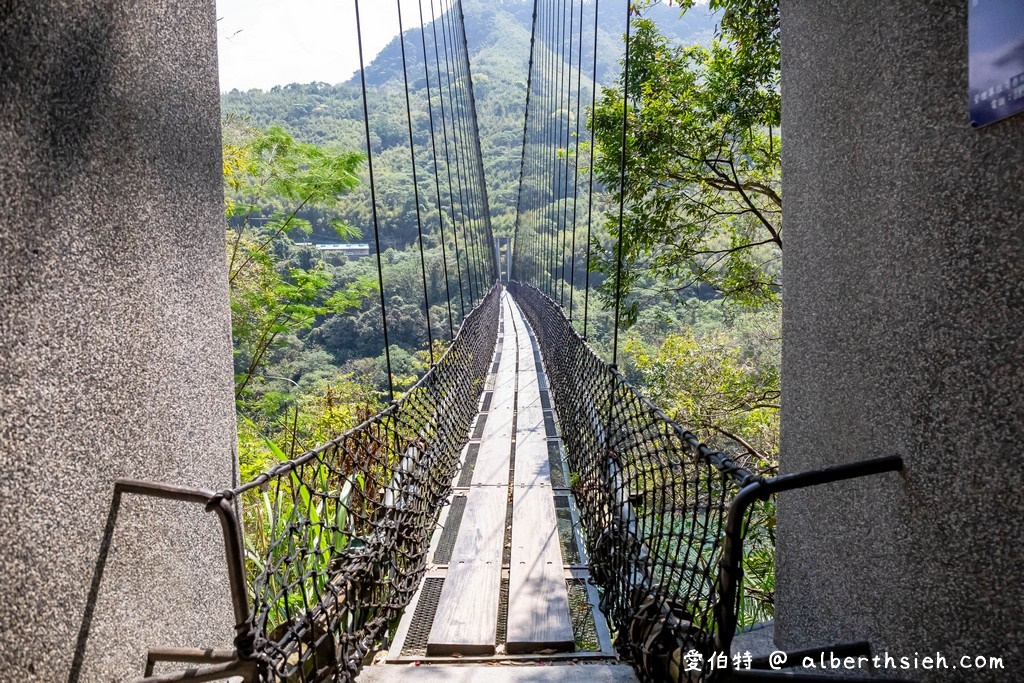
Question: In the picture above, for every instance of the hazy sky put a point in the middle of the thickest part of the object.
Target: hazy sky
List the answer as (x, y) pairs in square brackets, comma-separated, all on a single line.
[(264, 43)]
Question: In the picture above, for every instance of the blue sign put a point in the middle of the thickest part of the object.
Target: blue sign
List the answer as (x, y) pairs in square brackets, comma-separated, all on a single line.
[(995, 46)]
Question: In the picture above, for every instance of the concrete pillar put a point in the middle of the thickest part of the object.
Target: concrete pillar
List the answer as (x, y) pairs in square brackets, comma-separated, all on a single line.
[(115, 355), (904, 334)]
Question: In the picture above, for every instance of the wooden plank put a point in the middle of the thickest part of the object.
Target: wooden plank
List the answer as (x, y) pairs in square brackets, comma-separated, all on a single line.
[(466, 620), (532, 466), (538, 601), (492, 463), (538, 607)]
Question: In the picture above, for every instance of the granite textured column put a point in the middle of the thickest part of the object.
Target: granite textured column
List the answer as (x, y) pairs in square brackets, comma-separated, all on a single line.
[(115, 356), (904, 334)]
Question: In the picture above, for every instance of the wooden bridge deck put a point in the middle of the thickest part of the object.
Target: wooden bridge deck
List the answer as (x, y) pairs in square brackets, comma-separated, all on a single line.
[(507, 575)]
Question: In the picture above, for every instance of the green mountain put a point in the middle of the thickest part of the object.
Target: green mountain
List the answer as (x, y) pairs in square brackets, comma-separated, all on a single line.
[(498, 36), (331, 115)]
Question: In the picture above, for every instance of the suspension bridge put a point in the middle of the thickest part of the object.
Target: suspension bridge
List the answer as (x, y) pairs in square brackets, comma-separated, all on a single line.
[(522, 503)]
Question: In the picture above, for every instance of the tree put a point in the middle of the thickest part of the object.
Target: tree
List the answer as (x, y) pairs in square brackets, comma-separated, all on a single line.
[(702, 170), (708, 383), (271, 299)]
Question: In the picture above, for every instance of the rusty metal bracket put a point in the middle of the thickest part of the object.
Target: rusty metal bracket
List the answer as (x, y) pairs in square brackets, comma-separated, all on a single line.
[(240, 659)]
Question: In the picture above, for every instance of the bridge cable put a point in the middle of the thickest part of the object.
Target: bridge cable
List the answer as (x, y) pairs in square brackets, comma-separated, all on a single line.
[(415, 183), (473, 235), (514, 267), (541, 235), (593, 151), (568, 130), (558, 36), (576, 169), (541, 152), (550, 151), (481, 173), (622, 187), (474, 181), (556, 165), (448, 166), (373, 203), (562, 164), (463, 213), (437, 175)]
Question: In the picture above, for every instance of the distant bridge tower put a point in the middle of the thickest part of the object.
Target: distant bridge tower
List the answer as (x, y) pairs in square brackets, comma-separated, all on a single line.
[(503, 256), (115, 356)]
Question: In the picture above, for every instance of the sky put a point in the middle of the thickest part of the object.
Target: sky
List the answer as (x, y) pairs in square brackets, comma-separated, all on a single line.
[(263, 43)]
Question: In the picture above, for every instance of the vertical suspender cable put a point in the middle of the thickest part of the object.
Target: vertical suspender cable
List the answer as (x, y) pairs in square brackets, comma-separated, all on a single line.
[(437, 176), (472, 223), (622, 187), (463, 213), (565, 184), (448, 165), (576, 169), (522, 162), (590, 197), (536, 137), (555, 87), (415, 182), (373, 202), (538, 147), (558, 162), (464, 161), (453, 108), (481, 174), (538, 143), (542, 153)]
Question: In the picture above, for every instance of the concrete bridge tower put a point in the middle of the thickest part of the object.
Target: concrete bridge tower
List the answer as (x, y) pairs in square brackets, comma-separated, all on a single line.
[(904, 335), (115, 357)]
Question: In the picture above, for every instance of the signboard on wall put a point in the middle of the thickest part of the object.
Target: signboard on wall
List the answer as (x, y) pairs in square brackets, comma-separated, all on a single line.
[(995, 46)]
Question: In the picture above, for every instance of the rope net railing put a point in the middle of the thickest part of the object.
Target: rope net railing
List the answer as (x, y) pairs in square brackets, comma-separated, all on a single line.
[(346, 527), (653, 501), (337, 538)]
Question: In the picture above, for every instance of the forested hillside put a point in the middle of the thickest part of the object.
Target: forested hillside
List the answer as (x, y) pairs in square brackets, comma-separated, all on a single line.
[(675, 316), (499, 39), (701, 236), (330, 116)]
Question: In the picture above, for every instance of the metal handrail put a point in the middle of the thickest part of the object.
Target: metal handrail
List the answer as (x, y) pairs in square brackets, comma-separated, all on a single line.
[(731, 564)]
